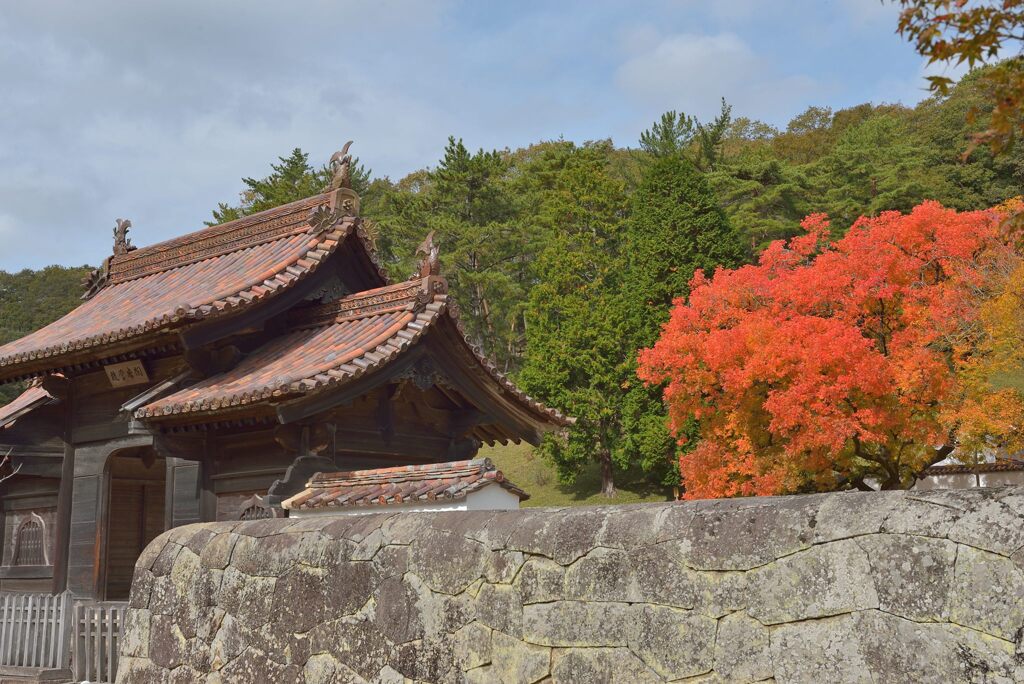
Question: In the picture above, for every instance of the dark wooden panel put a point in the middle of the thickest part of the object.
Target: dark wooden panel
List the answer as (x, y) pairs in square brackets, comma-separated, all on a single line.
[(185, 479)]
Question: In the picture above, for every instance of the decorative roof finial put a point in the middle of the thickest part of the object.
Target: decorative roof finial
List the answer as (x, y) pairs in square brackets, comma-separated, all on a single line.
[(430, 264), (122, 244), (341, 165)]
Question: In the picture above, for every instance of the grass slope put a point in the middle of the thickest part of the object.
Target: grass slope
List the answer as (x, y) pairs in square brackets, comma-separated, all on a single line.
[(538, 477)]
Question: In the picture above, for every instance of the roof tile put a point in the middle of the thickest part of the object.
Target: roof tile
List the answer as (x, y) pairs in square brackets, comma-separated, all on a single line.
[(454, 480)]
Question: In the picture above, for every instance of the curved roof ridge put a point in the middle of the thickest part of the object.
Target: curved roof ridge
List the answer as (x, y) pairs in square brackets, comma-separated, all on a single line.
[(207, 243)]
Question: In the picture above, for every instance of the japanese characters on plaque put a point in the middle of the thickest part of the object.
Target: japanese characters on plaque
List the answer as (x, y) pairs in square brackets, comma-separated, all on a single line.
[(127, 373)]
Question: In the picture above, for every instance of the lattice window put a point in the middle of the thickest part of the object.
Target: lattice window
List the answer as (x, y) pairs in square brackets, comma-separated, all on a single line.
[(30, 542)]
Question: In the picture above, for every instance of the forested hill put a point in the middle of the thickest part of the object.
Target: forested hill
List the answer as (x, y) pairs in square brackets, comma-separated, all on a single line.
[(31, 299), (565, 255)]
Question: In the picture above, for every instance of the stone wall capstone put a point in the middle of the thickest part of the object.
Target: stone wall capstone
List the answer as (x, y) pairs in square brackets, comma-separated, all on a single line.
[(885, 587)]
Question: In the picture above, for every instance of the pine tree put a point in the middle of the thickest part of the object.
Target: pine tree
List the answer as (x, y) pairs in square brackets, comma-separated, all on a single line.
[(292, 179), (675, 228), (574, 350)]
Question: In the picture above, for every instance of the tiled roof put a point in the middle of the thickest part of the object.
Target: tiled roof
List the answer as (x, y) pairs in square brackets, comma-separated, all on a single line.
[(331, 345), (1000, 466), (213, 271), (400, 485), (29, 400)]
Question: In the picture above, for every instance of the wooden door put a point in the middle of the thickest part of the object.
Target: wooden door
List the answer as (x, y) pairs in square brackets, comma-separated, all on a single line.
[(135, 518)]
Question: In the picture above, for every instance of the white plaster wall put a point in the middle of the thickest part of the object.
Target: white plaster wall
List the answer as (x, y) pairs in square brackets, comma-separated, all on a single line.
[(967, 480)]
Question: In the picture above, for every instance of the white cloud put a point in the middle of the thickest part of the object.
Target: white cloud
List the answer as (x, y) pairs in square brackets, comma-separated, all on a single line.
[(693, 72)]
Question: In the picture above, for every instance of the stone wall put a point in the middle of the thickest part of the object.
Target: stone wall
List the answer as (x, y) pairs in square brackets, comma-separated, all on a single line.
[(891, 587)]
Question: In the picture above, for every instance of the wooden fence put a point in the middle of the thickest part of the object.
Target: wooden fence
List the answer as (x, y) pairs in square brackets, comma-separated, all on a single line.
[(95, 640), (34, 630)]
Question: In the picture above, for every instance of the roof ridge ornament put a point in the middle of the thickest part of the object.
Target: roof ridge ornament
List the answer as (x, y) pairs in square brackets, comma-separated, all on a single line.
[(99, 277), (122, 243), (341, 166), (343, 199), (430, 264)]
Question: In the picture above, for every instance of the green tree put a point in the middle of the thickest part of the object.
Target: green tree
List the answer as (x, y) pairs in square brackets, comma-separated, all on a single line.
[(31, 299), (293, 178), (676, 227), (574, 353)]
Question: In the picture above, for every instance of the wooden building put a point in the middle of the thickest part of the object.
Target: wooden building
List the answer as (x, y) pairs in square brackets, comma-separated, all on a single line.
[(210, 376)]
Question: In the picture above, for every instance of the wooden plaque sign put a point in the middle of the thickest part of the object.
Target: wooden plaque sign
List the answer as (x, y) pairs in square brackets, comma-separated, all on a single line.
[(127, 373)]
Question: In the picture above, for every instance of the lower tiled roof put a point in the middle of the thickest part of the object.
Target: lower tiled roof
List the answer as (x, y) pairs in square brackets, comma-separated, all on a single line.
[(334, 344), (400, 485), (1000, 466), (29, 400)]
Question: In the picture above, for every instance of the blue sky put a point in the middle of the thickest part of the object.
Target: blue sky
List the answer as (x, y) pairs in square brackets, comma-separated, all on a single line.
[(154, 110)]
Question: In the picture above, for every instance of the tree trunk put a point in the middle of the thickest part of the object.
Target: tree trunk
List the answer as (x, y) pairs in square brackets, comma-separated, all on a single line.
[(607, 483)]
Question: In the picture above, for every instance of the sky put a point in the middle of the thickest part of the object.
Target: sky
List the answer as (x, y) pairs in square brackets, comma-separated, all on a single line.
[(155, 110)]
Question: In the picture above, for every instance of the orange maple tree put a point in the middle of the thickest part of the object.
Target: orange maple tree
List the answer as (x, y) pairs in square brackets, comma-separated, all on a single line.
[(843, 363)]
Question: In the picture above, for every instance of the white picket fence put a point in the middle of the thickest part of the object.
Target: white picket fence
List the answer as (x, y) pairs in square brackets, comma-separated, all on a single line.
[(34, 630), (54, 632), (96, 639)]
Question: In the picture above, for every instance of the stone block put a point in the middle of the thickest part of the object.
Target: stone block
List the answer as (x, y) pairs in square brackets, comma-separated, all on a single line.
[(824, 580), (988, 594), (577, 623), (674, 643), (513, 660), (913, 576), (742, 649), (600, 666)]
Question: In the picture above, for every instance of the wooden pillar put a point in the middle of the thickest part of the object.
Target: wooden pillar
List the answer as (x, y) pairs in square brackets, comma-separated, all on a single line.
[(63, 522)]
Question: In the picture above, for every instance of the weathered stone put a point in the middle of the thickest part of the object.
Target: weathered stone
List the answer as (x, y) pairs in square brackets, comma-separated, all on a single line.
[(825, 580), (913, 575), (988, 594), (164, 560), (995, 525), (249, 598), (643, 593), (674, 643), (547, 535), (602, 575), (875, 646), (396, 612), (502, 567), (921, 514), (599, 666), (662, 578), (742, 649), (853, 514), (131, 670), (472, 645), (431, 561), (142, 587), (515, 661), (135, 642), (217, 552), (741, 535), (167, 645), (228, 643), (540, 581), (577, 623), (499, 607)]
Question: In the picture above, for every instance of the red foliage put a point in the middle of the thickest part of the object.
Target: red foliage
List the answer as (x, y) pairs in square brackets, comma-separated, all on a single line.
[(827, 360)]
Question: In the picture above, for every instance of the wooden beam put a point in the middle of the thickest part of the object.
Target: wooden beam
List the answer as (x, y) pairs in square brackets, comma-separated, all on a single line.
[(324, 400), (471, 388)]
